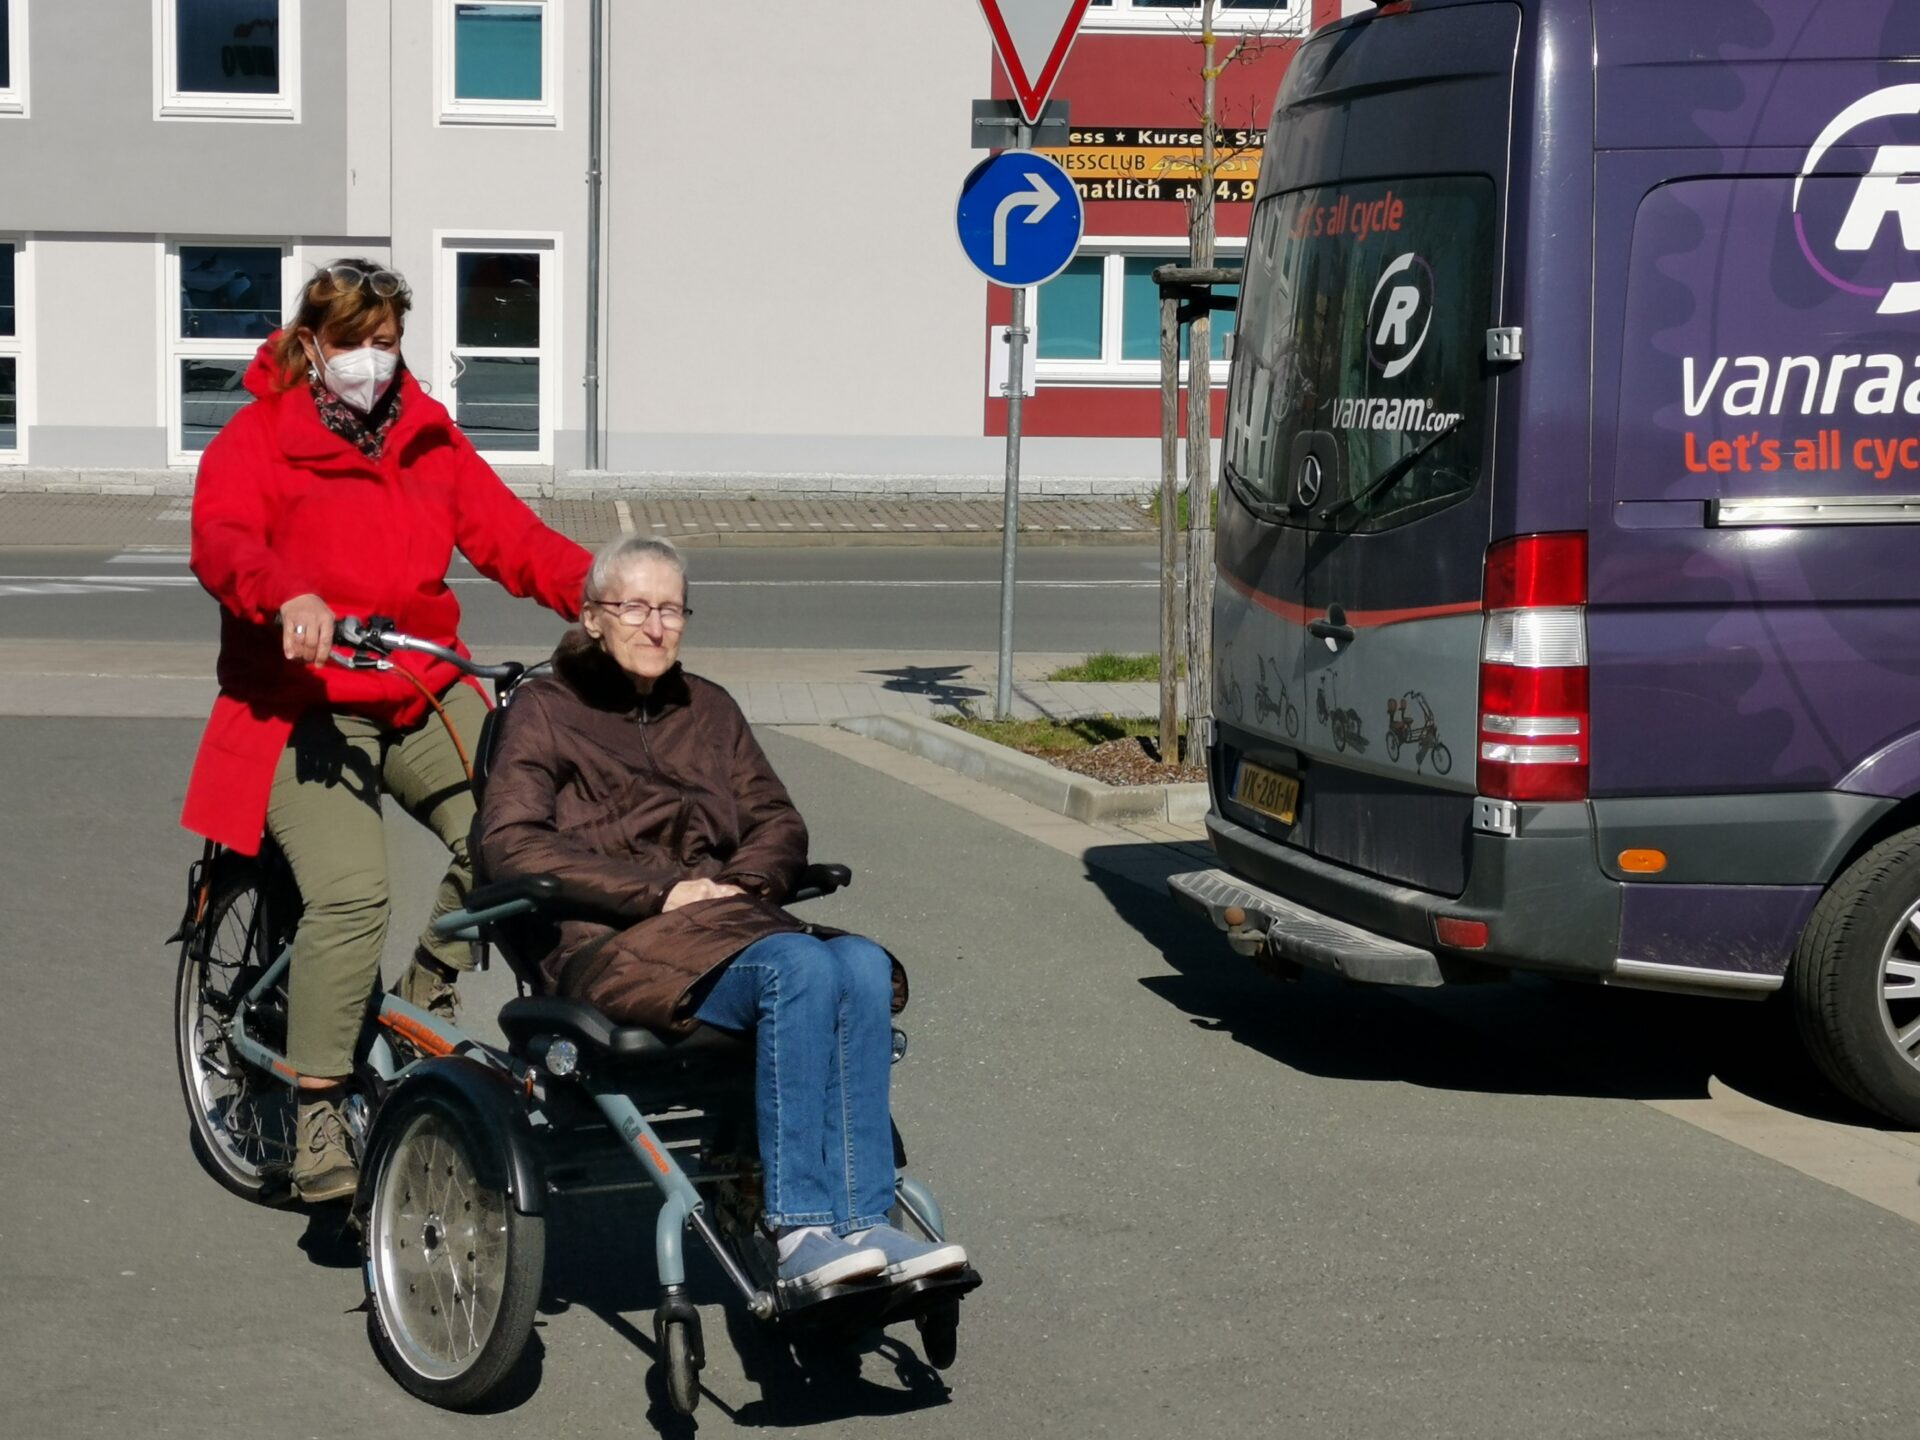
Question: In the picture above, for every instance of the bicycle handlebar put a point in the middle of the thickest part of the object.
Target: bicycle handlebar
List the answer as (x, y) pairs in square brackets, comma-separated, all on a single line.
[(377, 636)]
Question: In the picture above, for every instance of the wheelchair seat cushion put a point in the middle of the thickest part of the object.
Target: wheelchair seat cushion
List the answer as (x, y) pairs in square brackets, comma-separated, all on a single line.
[(523, 1019)]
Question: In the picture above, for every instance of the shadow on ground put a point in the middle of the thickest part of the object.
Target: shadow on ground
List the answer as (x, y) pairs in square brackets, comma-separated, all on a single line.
[(936, 682), (600, 1259), (1527, 1036)]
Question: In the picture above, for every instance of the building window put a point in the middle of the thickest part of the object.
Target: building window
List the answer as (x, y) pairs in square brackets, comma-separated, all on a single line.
[(1098, 321), (12, 421), (13, 57), (1273, 17), (499, 62), (223, 300), (499, 368), (227, 59)]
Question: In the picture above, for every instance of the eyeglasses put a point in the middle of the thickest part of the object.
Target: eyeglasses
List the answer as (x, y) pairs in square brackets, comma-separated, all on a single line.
[(635, 613), (384, 283)]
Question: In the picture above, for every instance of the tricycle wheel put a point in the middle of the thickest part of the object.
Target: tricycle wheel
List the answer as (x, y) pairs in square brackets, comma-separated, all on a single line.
[(243, 1120), (940, 1335), (681, 1357), (1393, 746), (453, 1268)]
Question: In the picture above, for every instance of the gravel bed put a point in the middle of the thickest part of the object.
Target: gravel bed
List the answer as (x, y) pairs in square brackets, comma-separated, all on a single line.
[(1132, 761)]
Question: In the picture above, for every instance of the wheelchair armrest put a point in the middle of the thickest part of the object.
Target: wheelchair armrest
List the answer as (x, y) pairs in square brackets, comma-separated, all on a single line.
[(818, 880), (500, 900), (538, 889)]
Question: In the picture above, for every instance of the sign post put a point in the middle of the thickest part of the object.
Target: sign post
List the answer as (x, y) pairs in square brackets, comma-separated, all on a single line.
[(1020, 221)]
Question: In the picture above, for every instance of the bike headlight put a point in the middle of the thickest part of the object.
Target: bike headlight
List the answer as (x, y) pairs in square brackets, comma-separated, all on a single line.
[(562, 1058)]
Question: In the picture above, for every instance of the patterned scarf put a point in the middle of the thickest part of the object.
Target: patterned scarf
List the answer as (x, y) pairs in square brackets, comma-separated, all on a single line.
[(349, 424)]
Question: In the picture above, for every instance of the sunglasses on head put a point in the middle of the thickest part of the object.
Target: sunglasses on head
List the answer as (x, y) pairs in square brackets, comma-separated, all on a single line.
[(384, 283)]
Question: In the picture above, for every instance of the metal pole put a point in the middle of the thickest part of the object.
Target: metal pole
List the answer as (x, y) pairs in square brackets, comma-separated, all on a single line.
[(596, 48), (1010, 521), (1169, 514)]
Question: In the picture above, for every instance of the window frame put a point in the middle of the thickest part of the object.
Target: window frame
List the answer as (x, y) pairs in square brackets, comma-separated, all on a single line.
[(18, 346), (170, 103), (1110, 369), (1131, 17), (448, 245), (450, 109), (176, 348), (13, 98)]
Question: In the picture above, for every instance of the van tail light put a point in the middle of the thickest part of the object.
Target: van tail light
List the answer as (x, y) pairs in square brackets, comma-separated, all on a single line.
[(1534, 712)]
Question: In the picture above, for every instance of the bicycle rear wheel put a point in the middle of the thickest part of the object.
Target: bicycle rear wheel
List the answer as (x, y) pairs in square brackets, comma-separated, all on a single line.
[(243, 1118)]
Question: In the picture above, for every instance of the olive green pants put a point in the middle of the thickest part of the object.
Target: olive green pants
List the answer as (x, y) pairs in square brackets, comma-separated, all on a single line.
[(324, 813)]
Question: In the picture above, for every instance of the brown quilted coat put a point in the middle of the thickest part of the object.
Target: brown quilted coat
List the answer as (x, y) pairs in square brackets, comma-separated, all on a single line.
[(620, 797)]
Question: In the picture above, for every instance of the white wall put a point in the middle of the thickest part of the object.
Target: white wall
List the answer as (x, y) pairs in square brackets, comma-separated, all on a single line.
[(737, 159)]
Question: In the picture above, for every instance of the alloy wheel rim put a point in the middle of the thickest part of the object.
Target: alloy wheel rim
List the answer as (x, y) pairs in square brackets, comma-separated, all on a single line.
[(1899, 986), (439, 1249)]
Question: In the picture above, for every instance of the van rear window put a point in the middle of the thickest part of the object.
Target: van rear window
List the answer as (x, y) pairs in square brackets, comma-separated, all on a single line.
[(1358, 390)]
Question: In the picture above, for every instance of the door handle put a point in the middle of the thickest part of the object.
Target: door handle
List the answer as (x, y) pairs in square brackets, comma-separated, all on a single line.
[(1334, 629), (459, 367)]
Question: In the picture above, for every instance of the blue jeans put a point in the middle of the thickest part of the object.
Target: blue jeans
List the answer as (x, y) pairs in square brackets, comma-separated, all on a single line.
[(822, 1015)]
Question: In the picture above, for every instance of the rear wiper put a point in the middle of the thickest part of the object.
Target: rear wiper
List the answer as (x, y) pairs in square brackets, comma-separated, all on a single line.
[(1387, 476)]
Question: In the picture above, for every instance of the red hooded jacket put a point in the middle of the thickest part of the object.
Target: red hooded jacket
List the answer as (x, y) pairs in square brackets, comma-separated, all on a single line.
[(283, 507)]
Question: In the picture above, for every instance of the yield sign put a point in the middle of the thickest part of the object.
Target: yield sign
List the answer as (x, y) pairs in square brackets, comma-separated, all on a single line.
[(1033, 37)]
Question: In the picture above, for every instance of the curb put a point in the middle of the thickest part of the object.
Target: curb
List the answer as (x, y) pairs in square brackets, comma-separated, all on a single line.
[(1092, 802), (842, 539)]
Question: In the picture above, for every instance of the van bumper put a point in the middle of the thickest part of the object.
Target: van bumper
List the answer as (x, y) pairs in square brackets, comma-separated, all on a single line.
[(1541, 895)]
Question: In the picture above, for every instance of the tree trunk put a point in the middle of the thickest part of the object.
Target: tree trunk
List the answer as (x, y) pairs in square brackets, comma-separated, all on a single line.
[(1200, 405)]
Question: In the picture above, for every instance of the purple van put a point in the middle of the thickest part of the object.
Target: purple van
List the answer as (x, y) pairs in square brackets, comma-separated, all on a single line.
[(1567, 615)]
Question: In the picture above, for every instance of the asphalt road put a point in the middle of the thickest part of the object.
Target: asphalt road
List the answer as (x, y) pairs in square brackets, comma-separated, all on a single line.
[(1205, 1205), (1080, 599)]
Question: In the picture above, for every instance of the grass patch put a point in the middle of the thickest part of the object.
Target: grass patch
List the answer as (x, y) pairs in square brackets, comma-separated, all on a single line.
[(1180, 516), (1054, 737), (1108, 668)]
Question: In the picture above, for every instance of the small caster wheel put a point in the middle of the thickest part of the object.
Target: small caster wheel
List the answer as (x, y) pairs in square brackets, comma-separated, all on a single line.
[(680, 1352), (940, 1336)]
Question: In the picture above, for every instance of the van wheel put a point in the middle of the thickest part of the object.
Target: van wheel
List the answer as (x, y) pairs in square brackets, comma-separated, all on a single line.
[(1856, 980)]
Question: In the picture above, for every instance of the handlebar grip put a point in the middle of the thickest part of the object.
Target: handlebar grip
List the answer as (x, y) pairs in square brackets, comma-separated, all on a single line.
[(349, 630)]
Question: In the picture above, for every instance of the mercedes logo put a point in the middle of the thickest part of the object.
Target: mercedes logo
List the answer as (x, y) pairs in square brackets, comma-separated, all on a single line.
[(1306, 484)]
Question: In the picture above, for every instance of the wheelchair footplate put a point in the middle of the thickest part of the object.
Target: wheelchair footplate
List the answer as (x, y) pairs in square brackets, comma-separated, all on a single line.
[(927, 1294), (834, 1310), (843, 1310)]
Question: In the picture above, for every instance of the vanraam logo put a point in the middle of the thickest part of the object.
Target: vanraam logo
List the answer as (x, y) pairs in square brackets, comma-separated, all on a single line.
[(1889, 191), (1400, 314)]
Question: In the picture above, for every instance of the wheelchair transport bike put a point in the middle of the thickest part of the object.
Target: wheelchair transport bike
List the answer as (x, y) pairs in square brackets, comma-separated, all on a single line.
[(462, 1143)]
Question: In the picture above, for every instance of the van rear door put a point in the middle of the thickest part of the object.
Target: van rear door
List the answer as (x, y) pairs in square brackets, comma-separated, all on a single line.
[(1355, 523)]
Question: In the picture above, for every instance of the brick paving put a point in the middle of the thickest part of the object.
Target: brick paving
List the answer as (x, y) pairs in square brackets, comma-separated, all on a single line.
[(40, 519)]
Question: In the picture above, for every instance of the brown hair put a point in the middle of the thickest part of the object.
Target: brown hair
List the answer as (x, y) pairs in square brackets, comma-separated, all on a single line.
[(338, 314)]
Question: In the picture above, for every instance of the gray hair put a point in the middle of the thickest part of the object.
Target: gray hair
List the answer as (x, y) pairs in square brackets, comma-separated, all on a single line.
[(610, 562)]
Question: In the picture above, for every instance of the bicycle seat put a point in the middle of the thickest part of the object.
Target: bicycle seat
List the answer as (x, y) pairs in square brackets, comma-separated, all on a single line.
[(627, 1045)]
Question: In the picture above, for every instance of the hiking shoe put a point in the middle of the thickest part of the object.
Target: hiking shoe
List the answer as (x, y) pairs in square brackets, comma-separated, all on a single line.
[(820, 1258), (323, 1167), (430, 986), (908, 1258)]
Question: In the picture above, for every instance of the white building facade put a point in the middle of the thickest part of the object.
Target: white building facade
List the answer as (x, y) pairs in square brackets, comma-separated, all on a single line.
[(781, 304)]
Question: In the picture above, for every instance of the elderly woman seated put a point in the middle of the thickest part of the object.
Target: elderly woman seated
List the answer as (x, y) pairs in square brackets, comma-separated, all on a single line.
[(641, 789)]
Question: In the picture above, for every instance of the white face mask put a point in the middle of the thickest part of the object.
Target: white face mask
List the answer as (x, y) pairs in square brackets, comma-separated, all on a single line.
[(360, 377)]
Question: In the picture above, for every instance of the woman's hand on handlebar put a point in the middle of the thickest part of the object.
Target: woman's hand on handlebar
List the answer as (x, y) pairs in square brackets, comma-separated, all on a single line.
[(687, 892), (306, 629)]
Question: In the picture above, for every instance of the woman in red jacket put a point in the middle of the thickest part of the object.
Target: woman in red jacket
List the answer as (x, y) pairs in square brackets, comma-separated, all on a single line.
[(344, 489)]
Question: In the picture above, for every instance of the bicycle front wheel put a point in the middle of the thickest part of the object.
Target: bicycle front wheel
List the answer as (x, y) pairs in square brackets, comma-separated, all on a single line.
[(242, 1117)]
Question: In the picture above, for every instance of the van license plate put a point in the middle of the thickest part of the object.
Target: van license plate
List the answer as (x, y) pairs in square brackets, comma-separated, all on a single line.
[(1268, 791)]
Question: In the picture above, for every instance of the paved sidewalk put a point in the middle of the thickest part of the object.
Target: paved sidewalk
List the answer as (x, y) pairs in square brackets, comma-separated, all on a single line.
[(32, 520), (774, 687)]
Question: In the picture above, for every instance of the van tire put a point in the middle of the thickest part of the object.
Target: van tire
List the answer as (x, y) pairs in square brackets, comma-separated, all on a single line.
[(1835, 979)]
